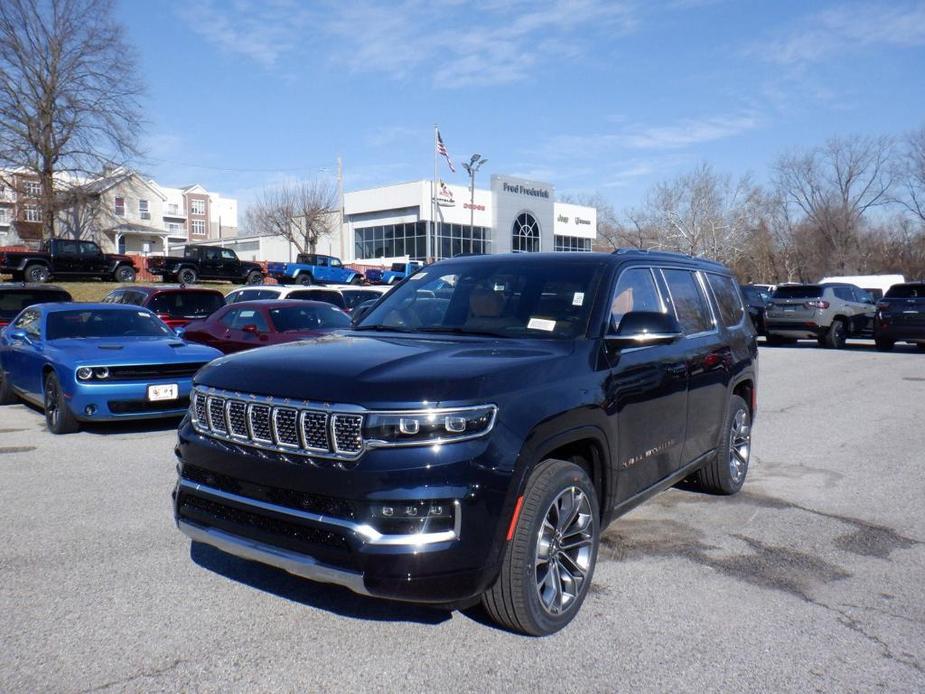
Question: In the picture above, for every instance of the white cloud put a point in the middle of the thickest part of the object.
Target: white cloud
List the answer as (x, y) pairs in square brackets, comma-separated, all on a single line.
[(844, 28)]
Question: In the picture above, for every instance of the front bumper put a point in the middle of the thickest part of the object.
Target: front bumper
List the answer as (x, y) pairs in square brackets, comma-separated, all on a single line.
[(310, 517), (129, 400)]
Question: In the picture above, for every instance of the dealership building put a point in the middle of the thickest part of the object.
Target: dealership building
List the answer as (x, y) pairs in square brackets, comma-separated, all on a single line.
[(515, 214)]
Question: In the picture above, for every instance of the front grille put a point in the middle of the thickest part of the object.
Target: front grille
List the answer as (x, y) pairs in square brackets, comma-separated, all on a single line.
[(152, 372), (286, 428)]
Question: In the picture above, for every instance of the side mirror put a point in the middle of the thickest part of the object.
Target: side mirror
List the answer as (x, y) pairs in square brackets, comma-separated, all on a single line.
[(361, 311), (20, 335), (643, 328)]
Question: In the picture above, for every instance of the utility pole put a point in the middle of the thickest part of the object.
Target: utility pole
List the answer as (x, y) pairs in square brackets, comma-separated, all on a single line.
[(472, 167), (340, 204)]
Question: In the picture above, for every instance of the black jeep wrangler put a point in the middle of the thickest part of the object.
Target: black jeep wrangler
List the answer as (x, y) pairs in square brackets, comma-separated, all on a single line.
[(475, 432)]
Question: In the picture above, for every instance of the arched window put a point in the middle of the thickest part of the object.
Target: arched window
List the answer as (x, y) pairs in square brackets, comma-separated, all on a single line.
[(526, 234)]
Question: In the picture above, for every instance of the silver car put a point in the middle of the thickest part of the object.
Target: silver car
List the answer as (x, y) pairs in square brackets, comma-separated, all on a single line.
[(830, 313)]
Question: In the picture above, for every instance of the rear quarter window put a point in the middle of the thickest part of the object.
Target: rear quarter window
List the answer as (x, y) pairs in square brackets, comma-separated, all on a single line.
[(728, 298)]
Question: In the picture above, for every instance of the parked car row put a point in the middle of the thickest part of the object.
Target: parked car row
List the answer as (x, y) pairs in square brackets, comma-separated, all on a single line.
[(833, 312)]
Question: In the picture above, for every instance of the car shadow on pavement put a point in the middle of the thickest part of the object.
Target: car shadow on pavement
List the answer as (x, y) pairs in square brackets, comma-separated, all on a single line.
[(322, 596)]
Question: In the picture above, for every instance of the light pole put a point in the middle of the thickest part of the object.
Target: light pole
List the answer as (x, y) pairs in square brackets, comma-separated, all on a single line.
[(471, 167)]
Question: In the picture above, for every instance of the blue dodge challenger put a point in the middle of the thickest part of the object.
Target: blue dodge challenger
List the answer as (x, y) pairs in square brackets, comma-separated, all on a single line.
[(97, 362)]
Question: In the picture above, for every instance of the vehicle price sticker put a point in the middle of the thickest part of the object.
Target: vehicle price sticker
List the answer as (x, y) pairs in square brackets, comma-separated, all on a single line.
[(578, 298), (541, 324), (418, 277), (167, 391)]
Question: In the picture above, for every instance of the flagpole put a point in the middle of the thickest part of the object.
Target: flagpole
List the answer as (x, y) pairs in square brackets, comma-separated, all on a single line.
[(431, 228)]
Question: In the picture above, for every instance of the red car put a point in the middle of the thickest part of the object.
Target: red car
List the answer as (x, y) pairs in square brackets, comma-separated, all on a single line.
[(176, 306), (14, 297), (248, 324)]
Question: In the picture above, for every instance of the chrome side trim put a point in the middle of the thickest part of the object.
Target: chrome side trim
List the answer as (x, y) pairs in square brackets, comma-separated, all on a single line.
[(366, 533), (296, 564)]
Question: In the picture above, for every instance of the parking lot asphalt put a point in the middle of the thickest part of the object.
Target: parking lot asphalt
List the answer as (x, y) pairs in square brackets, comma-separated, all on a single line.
[(812, 578)]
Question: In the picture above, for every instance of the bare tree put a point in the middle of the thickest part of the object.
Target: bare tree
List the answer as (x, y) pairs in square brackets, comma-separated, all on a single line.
[(68, 91), (301, 213), (911, 174), (834, 186)]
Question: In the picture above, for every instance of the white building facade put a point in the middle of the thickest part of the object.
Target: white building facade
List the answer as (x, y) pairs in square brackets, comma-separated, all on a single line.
[(514, 214)]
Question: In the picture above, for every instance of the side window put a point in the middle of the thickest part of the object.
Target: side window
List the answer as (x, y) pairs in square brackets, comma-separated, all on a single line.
[(728, 298), (212, 254), (863, 296), (844, 293), (67, 248), (248, 316), (635, 291), (88, 248), (228, 254), (134, 298), (690, 305), (114, 298), (335, 263), (30, 322), (322, 261), (228, 320)]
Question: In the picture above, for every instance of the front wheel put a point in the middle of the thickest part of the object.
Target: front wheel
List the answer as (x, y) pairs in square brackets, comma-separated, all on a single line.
[(187, 276), (549, 561), (725, 473), (253, 277), (124, 274), (58, 415)]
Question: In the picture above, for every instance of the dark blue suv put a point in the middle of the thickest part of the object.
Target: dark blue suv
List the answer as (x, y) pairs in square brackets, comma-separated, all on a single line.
[(477, 429)]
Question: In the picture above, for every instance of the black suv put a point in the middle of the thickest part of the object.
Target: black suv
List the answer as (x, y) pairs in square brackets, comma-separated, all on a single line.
[(475, 432)]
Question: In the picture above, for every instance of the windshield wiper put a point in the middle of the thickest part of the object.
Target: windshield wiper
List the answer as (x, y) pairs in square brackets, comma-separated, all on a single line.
[(386, 328), (459, 331)]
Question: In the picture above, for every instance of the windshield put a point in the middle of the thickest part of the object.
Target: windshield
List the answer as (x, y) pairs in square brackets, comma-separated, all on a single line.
[(354, 297), (906, 291), (187, 304), (295, 318), (103, 323), (509, 298), (798, 291), (12, 302)]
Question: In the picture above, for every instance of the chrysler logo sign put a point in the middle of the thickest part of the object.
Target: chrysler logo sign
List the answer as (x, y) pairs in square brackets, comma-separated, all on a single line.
[(525, 190)]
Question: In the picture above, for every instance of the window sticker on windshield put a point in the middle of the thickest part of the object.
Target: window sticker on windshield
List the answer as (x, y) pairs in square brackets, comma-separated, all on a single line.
[(541, 324), (499, 287), (418, 276), (578, 298), (144, 314)]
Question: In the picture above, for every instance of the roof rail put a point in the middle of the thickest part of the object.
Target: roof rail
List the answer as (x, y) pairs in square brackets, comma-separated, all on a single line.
[(666, 254)]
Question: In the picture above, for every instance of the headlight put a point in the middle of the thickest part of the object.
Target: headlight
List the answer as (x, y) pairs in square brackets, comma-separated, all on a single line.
[(96, 373), (84, 373), (421, 427), (101, 372)]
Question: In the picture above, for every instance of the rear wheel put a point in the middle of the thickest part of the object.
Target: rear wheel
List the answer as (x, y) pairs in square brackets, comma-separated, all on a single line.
[(36, 273), (725, 474), (58, 415), (549, 562), (837, 335), (884, 345), (777, 340), (254, 277), (305, 279), (124, 273), (7, 396), (187, 276)]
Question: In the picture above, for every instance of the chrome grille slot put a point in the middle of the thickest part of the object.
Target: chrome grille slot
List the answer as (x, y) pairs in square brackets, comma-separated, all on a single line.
[(348, 433), (285, 427), (199, 410), (237, 419), (315, 430), (217, 415), (259, 416)]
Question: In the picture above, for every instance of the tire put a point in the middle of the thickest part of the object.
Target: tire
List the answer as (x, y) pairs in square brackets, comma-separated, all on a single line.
[(725, 473), (305, 279), (187, 276), (124, 274), (58, 415), (837, 335), (920, 346), (777, 340), (515, 601), (7, 396), (36, 272), (253, 277), (884, 345)]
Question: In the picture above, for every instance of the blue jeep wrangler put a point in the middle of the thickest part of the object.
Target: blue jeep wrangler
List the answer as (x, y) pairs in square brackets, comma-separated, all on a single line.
[(396, 273), (311, 268)]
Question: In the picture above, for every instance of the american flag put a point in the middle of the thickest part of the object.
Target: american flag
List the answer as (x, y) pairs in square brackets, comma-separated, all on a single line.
[(441, 149)]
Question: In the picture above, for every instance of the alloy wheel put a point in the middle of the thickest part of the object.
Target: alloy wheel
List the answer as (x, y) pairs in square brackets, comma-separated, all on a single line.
[(564, 549), (740, 445), (52, 411)]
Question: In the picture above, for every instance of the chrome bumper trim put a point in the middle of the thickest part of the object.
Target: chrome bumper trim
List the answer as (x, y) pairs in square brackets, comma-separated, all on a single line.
[(364, 532), (297, 564)]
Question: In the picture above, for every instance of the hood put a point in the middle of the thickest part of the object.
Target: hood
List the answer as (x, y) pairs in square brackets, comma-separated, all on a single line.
[(131, 350), (388, 371)]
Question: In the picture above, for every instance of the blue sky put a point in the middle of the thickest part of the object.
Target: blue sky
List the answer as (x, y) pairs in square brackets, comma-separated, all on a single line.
[(592, 95)]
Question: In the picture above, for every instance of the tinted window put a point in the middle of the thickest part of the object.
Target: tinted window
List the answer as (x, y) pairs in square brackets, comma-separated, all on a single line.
[(14, 301), (228, 254), (635, 291), (30, 321), (251, 295), (755, 296), (105, 323), (88, 248), (906, 291), (728, 299), (863, 296), (187, 304), (798, 291), (67, 247), (843, 293), (240, 317), (354, 297), (295, 318), (690, 305), (509, 297), (398, 267), (326, 296)]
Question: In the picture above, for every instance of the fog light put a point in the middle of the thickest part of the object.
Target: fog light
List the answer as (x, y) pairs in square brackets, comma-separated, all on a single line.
[(90, 410)]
